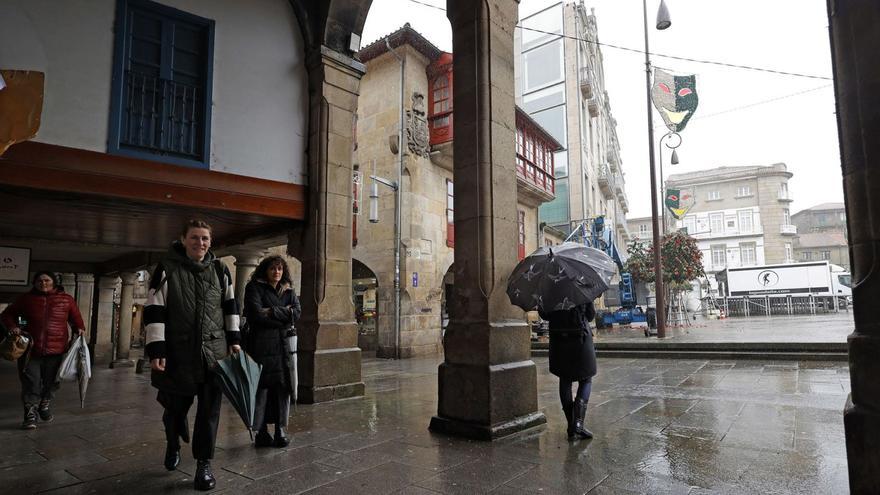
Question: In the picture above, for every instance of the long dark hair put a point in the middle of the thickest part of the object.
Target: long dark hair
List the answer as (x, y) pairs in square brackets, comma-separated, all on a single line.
[(266, 263)]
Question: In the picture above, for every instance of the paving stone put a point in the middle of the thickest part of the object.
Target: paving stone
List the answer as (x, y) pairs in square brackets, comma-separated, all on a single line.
[(740, 427)]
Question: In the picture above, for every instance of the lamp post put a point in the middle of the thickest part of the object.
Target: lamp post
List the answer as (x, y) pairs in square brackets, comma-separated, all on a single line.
[(674, 161), (663, 22)]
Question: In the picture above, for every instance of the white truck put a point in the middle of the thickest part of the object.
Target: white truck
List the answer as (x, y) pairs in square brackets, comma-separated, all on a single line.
[(819, 278)]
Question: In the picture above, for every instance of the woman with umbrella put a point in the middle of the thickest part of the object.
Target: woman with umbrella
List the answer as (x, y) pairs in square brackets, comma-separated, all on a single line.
[(573, 359), (48, 311), (271, 308), (561, 282)]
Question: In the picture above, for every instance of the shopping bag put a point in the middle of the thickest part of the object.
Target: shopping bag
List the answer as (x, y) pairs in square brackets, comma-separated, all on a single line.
[(76, 361), (14, 346)]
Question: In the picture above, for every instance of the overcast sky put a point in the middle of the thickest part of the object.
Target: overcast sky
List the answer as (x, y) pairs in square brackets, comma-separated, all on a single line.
[(735, 124)]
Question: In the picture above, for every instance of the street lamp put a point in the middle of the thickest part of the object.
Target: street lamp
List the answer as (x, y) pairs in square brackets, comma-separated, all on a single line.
[(663, 22)]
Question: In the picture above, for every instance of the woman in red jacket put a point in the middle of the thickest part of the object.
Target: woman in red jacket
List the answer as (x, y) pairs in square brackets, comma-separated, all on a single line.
[(48, 310)]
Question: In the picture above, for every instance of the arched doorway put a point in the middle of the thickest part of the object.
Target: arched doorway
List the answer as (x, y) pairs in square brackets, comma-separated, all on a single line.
[(364, 285), (446, 286)]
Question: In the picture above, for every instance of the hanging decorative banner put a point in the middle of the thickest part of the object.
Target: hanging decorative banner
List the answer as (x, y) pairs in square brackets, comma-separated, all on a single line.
[(678, 202), (675, 97)]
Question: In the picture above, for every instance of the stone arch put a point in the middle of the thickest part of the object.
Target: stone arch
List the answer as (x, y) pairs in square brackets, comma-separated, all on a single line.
[(364, 285)]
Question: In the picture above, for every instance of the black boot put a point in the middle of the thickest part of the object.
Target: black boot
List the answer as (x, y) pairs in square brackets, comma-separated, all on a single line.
[(44, 411), (263, 438), (569, 417), (580, 410), (30, 417), (204, 478), (281, 439), (172, 456)]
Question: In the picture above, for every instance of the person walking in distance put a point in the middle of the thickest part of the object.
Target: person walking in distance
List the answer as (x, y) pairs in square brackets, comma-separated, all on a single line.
[(573, 359), (191, 319), (48, 311)]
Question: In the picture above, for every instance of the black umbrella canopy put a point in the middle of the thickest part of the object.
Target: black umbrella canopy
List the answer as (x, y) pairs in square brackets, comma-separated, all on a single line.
[(555, 278)]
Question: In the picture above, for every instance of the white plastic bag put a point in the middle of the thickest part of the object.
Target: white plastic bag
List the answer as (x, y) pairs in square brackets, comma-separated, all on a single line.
[(70, 368)]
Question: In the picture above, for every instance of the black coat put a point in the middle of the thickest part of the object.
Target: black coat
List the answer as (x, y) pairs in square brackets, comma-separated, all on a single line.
[(271, 315), (572, 356)]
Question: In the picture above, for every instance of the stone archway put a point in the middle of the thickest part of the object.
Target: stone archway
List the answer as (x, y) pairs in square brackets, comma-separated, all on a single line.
[(364, 288)]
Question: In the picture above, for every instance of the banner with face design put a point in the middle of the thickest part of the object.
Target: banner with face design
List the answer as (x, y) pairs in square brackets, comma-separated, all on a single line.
[(675, 97)]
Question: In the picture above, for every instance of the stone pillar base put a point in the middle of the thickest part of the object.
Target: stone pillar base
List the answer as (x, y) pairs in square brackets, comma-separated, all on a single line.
[(492, 401), (862, 448), (313, 395), (122, 363), (406, 352), (336, 375), (102, 353), (477, 431)]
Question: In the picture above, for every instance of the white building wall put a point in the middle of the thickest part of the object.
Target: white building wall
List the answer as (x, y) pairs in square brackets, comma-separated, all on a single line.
[(260, 92)]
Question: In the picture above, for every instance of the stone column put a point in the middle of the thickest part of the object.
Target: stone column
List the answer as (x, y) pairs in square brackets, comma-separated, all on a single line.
[(123, 339), (488, 383), (103, 344), (856, 61), (329, 358), (68, 281), (85, 292), (245, 262)]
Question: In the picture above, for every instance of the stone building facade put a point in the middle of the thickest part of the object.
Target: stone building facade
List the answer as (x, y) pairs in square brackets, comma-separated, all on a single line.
[(560, 82), (740, 215), (428, 188), (822, 234)]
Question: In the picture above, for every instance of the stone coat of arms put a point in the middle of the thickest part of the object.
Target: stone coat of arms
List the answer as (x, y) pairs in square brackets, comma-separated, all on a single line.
[(417, 136)]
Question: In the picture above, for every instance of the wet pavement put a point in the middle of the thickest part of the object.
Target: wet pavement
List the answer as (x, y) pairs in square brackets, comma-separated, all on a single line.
[(662, 426), (821, 328)]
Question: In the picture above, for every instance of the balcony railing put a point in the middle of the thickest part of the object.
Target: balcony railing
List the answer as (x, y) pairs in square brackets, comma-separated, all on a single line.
[(606, 181), (788, 229), (784, 196), (535, 175), (587, 81)]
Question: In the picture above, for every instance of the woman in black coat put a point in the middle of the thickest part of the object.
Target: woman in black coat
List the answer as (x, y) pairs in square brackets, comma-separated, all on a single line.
[(573, 359), (271, 308)]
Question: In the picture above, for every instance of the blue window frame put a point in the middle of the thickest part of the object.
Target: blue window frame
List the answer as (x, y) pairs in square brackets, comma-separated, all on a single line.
[(160, 106)]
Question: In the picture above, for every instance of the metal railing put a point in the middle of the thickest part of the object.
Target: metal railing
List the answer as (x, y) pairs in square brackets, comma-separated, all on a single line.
[(162, 116), (783, 305)]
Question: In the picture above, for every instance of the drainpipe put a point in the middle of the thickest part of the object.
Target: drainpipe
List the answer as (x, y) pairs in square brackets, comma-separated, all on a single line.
[(401, 146)]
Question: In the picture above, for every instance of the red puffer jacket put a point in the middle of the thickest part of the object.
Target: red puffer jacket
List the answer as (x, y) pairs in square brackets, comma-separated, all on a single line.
[(47, 316)]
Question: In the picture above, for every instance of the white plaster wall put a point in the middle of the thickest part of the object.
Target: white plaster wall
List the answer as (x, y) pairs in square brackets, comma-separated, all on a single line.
[(260, 92)]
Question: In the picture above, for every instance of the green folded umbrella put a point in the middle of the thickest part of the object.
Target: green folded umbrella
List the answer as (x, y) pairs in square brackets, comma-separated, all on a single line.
[(239, 376)]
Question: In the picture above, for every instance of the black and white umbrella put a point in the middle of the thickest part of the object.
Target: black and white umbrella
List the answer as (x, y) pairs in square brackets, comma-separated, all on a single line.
[(557, 278)]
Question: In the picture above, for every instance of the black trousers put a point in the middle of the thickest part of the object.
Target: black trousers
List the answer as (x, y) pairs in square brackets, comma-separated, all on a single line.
[(204, 434), (37, 375), (272, 406)]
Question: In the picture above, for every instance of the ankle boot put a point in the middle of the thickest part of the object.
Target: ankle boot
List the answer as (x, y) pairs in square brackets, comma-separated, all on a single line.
[(204, 478), (281, 439), (172, 456), (580, 410), (569, 417), (30, 417), (44, 411), (263, 438)]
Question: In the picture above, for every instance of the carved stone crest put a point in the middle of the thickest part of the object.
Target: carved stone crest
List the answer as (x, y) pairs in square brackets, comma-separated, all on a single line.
[(417, 136)]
